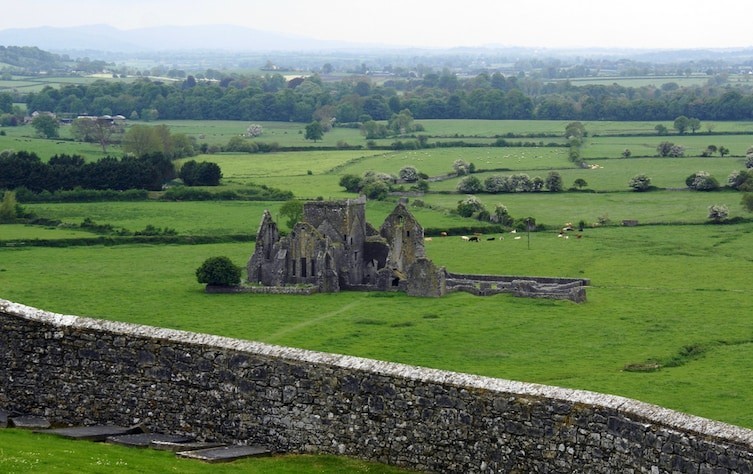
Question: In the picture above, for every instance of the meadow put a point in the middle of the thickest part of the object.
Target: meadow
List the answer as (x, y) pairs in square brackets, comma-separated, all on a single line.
[(23, 451), (666, 319)]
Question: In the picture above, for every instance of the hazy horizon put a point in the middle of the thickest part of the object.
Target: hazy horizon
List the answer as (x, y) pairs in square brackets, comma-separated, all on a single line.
[(640, 24)]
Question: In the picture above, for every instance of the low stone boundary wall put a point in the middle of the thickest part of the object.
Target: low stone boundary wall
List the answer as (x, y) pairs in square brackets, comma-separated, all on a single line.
[(83, 371), (573, 289), (264, 290)]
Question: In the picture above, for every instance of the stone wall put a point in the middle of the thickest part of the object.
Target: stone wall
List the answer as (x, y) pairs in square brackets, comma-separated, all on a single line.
[(78, 370), (573, 289)]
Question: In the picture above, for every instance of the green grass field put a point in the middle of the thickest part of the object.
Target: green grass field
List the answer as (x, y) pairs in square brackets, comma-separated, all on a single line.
[(673, 283), (23, 451), (656, 290)]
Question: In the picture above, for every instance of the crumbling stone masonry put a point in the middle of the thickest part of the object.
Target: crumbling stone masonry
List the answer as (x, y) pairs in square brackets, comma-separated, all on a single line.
[(334, 248), (77, 370)]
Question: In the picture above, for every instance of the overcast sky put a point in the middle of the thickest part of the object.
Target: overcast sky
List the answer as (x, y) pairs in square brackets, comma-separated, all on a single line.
[(436, 23)]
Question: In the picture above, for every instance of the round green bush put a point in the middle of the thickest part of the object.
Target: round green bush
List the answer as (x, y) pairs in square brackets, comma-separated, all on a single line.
[(218, 271)]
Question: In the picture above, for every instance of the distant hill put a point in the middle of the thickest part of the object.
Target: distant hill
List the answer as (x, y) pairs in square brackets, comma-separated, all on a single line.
[(167, 38), (29, 58)]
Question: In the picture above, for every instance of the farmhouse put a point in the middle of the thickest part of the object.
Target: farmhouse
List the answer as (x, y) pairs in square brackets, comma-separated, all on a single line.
[(333, 248)]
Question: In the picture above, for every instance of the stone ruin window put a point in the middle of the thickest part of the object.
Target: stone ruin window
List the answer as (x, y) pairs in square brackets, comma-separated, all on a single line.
[(313, 267), (292, 267), (303, 267)]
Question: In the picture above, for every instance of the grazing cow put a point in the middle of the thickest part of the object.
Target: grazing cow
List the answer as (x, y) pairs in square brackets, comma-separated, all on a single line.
[(473, 238), (518, 238), (513, 231), (428, 239), (443, 234), (465, 237), (490, 238)]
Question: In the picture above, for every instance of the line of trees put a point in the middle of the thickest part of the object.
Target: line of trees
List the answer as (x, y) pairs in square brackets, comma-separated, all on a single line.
[(63, 172), (271, 98)]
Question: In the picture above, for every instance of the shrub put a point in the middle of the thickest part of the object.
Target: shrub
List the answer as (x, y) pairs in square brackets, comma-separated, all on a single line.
[(640, 182), (351, 182), (218, 271), (470, 185), (669, 149), (553, 182), (469, 206), (376, 190), (460, 167), (702, 181), (718, 212), (409, 174), (501, 215), (747, 201)]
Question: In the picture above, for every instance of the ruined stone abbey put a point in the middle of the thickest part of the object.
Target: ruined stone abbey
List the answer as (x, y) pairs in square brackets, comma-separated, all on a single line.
[(334, 248)]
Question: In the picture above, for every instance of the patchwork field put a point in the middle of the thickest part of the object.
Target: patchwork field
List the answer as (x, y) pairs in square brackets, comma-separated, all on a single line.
[(667, 314)]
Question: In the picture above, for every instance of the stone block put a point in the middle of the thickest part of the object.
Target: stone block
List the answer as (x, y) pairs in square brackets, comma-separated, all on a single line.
[(225, 454)]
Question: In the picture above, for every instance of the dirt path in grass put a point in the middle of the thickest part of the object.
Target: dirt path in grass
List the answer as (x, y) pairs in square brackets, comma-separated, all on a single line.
[(308, 322)]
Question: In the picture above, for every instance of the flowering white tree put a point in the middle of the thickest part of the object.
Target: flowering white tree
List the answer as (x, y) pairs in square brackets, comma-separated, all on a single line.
[(254, 130), (718, 212)]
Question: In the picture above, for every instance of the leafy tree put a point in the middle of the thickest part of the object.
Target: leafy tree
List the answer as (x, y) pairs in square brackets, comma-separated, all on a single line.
[(669, 149), (501, 216), (46, 125), (141, 140), (553, 182), (702, 181), (461, 167), (200, 174), (95, 130), (254, 130), (469, 206), (218, 271), (575, 130), (580, 183), (640, 182), (293, 211), (314, 131), (681, 124), (661, 129), (626, 153), (351, 182), (747, 201), (718, 212), (8, 208), (723, 151), (376, 189), (741, 180), (373, 130), (709, 151), (497, 184), (694, 124), (408, 174), (401, 123), (470, 185)]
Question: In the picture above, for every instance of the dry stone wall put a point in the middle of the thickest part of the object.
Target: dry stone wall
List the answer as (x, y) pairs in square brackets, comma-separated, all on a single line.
[(78, 370)]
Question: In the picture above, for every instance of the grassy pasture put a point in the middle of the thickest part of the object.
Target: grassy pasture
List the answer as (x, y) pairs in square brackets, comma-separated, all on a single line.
[(24, 451), (659, 207), (657, 81), (612, 147), (614, 174), (286, 134), (197, 218), (656, 289), (24, 138), (438, 161)]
